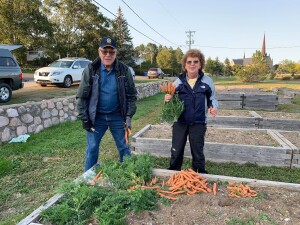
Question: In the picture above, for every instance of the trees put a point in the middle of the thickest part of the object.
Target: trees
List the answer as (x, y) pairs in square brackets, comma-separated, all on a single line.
[(286, 66), (227, 68), (255, 72), (214, 67), (22, 22), (123, 39), (78, 26)]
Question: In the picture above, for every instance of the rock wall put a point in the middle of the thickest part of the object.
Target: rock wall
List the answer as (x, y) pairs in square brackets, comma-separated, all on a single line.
[(32, 117)]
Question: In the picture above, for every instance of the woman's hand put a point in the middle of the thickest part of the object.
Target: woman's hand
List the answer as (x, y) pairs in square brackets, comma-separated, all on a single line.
[(212, 111), (168, 97)]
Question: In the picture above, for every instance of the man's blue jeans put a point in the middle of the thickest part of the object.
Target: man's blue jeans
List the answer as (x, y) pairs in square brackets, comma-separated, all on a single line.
[(113, 122)]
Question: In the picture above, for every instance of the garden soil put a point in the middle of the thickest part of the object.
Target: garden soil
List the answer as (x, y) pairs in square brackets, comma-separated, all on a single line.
[(272, 206)]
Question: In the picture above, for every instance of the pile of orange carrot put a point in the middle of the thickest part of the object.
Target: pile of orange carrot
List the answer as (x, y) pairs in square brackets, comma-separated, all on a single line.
[(188, 182), (184, 182), (240, 190)]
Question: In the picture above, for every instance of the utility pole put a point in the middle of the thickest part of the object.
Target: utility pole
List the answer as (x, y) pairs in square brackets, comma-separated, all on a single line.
[(190, 35)]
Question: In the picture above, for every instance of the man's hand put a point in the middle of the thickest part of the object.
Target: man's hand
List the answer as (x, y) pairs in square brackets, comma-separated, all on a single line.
[(128, 122), (212, 111), (87, 125)]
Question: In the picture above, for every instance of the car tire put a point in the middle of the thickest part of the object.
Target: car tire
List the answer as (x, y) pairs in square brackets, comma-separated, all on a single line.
[(67, 82), (43, 85), (5, 92)]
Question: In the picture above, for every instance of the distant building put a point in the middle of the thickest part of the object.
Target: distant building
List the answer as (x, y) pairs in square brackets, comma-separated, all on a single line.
[(35, 54), (138, 61), (248, 61)]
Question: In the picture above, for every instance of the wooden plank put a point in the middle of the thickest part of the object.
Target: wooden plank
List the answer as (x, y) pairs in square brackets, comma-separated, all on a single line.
[(281, 163), (292, 125), (275, 135), (250, 182), (288, 143), (260, 155), (36, 213), (230, 104), (232, 121), (255, 114), (138, 134), (261, 97), (229, 96)]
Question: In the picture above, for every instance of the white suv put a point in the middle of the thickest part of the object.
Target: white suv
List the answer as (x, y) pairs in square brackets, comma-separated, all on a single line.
[(62, 72)]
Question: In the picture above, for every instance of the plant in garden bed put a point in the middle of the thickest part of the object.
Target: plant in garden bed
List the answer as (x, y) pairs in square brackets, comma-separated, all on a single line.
[(83, 203), (172, 109)]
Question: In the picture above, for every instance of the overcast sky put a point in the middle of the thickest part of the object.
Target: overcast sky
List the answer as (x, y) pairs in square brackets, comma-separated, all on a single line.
[(222, 28)]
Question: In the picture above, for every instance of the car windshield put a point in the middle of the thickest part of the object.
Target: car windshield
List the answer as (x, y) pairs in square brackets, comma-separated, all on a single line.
[(153, 69), (61, 64)]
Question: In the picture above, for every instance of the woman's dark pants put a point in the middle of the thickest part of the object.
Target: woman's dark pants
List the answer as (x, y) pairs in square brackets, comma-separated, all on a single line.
[(196, 134)]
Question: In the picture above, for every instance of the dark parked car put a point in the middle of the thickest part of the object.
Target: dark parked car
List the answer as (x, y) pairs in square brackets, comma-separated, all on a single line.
[(10, 75)]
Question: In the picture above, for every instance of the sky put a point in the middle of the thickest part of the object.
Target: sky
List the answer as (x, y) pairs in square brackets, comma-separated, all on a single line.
[(219, 28)]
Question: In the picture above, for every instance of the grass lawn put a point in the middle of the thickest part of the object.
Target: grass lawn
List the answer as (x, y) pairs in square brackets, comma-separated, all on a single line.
[(30, 172)]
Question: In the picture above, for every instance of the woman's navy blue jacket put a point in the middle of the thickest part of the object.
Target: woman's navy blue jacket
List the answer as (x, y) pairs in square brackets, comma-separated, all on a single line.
[(196, 100)]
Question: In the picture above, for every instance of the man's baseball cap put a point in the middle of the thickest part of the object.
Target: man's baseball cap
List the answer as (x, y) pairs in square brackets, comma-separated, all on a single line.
[(107, 42)]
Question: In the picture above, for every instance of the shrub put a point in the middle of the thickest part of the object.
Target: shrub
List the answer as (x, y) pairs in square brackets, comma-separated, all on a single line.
[(297, 77), (286, 78)]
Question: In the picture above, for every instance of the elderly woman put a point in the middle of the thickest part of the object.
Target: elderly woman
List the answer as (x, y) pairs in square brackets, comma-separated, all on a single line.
[(197, 92)]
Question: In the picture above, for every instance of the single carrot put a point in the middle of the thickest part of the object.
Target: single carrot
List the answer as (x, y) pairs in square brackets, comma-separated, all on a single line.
[(171, 192), (168, 197), (215, 189)]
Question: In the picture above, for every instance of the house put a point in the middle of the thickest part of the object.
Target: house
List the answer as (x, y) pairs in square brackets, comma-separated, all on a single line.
[(35, 54), (248, 61), (138, 61)]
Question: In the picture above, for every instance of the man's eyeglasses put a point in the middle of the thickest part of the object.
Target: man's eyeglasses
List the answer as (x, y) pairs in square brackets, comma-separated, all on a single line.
[(108, 52), (194, 62)]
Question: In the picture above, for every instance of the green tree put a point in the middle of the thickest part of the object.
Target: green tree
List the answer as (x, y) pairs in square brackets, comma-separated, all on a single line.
[(139, 51), (151, 52), (178, 55), (123, 39), (22, 22), (214, 67), (78, 27), (286, 66), (227, 68), (257, 71)]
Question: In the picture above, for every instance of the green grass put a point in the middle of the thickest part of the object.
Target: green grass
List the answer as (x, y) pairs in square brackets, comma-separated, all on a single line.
[(31, 171)]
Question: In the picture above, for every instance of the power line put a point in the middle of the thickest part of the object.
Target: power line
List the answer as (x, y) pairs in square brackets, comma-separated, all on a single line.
[(127, 23), (148, 24), (174, 18), (207, 46)]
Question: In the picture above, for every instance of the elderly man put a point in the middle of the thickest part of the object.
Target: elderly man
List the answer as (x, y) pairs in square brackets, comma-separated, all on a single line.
[(106, 99)]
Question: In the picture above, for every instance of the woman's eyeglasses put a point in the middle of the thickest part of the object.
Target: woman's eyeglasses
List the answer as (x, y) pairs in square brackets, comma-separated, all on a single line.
[(107, 52), (192, 62)]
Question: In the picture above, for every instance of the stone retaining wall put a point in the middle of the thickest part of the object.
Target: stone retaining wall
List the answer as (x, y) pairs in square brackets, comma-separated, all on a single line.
[(32, 117)]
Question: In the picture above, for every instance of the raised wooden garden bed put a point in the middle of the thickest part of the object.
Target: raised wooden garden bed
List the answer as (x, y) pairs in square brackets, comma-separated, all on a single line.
[(262, 147), (34, 217), (264, 101), (293, 138), (256, 119)]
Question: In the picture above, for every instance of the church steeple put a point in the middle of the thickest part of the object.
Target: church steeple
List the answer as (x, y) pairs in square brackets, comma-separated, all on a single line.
[(263, 49)]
